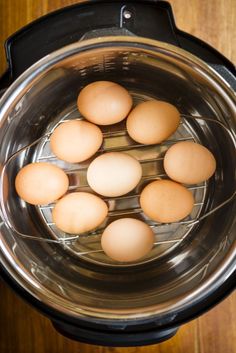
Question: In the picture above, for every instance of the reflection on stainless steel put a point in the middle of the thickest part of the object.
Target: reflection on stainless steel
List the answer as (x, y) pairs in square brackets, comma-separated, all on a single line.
[(44, 145), (191, 257)]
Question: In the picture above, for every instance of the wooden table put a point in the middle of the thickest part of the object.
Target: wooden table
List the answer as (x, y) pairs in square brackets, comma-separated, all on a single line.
[(22, 328)]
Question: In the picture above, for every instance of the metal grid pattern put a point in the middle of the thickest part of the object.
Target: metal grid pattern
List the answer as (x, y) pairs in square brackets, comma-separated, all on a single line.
[(167, 236)]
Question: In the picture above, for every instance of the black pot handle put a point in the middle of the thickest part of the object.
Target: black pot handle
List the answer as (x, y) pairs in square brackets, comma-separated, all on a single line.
[(114, 338), (146, 18)]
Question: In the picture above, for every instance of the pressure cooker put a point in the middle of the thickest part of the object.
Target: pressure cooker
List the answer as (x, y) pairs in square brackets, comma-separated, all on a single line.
[(86, 295)]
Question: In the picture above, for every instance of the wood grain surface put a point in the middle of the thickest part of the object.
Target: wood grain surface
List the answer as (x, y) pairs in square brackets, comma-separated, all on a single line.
[(22, 328)]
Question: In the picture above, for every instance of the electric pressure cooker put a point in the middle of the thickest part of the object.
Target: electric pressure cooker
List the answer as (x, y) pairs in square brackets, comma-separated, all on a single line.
[(87, 296)]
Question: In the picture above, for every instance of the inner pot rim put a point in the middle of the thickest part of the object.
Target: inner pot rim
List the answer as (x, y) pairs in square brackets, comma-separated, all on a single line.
[(17, 90)]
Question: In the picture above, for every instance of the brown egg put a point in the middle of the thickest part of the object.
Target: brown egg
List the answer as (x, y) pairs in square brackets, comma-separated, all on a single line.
[(189, 163), (127, 240), (152, 122), (41, 183), (79, 212), (114, 174), (104, 102), (75, 141), (166, 201)]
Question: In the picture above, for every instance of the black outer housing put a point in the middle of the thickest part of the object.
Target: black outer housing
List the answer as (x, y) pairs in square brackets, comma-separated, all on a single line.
[(152, 19), (139, 334)]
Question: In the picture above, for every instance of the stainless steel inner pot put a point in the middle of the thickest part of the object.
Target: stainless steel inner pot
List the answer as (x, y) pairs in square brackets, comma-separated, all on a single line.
[(196, 258)]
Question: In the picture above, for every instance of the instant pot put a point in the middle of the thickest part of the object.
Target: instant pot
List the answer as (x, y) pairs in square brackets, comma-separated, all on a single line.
[(86, 295)]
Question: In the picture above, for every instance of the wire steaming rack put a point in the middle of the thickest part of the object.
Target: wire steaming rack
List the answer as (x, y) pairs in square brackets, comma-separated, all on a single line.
[(44, 155)]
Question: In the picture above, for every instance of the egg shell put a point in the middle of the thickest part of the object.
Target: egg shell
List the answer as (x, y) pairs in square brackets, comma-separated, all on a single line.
[(166, 201), (152, 122), (41, 183), (104, 102), (114, 174), (76, 140), (189, 163), (127, 240), (79, 212)]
